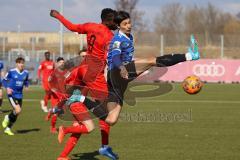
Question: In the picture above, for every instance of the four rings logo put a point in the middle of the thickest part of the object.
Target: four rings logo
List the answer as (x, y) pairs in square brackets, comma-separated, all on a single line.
[(212, 70)]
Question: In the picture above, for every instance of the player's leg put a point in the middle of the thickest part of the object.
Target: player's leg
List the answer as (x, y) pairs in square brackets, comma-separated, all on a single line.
[(115, 99), (169, 60), (105, 149), (44, 102), (82, 116), (53, 128), (54, 102), (47, 97), (116, 87), (11, 118), (114, 112), (98, 90), (82, 125), (70, 144), (1, 97), (105, 130)]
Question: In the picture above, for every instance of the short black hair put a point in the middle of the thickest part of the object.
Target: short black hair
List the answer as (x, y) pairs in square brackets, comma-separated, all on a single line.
[(47, 53), (60, 59), (20, 59), (108, 14), (121, 16), (84, 49)]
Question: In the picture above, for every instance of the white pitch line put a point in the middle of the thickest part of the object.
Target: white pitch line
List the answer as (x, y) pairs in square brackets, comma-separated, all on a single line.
[(26, 100), (187, 101), (161, 101)]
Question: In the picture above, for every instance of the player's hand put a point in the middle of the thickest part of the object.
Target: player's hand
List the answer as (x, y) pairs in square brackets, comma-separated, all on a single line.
[(54, 13), (26, 89), (9, 91), (123, 72)]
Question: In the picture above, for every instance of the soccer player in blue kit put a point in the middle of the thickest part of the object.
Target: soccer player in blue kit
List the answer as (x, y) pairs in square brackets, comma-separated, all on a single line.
[(1, 93), (14, 81)]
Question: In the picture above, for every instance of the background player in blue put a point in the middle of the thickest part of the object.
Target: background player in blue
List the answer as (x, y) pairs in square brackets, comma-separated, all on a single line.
[(14, 81), (1, 93)]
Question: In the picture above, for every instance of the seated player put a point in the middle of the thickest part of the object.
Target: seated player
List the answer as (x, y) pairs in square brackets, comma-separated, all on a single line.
[(14, 82)]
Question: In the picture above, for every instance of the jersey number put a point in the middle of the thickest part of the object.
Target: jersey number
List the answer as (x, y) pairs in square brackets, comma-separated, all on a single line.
[(92, 40)]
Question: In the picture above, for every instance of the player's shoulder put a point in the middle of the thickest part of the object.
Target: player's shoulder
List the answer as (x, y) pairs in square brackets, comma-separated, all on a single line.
[(91, 25), (123, 36), (51, 62), (119, 36), (15, 70), (12, 70), (98, 27), (25, 71), (117, 39)]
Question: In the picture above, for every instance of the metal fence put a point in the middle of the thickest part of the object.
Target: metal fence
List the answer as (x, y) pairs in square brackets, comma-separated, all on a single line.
[(211, 46), (32, 61), (146, 44)]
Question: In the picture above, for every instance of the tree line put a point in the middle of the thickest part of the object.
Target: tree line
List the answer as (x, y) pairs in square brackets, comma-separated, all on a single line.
[(174, 18)]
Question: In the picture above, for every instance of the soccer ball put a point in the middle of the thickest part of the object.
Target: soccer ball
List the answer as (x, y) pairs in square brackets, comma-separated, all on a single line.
[(192, 84)]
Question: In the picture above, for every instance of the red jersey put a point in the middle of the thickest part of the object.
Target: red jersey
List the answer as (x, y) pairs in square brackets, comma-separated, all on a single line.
[(98, 37), (45, 69), (90, 72)]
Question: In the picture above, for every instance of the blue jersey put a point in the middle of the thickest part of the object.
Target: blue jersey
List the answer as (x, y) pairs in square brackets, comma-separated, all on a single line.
[(1, 67), (120, 51), (16, 80)]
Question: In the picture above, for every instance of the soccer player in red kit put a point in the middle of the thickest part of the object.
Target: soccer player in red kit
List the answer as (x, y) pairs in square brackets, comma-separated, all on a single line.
[(45, 69), (90, 73), (55, 96)]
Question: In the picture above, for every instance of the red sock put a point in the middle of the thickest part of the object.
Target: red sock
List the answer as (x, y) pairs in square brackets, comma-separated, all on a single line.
[(72, 141), (45, 99), (53, 121), (105, 129), (76, 129)]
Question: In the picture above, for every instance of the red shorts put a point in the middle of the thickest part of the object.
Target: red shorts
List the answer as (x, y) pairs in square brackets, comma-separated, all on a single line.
[(56, 81), (90, 77), (79, 112), (45, 85), (56, 98)]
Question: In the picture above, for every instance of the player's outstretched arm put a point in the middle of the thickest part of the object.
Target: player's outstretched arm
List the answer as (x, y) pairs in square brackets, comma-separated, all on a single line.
[(69, 25)]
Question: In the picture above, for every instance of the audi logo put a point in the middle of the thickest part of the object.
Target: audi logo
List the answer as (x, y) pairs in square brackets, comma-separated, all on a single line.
[(209, 70)]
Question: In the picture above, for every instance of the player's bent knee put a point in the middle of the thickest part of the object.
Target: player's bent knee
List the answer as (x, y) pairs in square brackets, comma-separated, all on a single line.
[(18, 109), (111, 121), (89, 125), (90, 128)]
